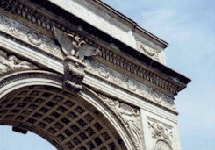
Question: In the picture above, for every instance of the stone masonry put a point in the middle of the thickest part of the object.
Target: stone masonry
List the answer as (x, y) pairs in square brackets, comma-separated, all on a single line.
[(84, 76)]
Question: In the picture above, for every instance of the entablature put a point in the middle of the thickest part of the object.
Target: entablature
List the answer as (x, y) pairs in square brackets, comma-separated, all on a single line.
[(34, 27)]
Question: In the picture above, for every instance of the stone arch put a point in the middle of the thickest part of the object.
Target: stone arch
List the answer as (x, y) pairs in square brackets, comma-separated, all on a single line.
[(35, 101)]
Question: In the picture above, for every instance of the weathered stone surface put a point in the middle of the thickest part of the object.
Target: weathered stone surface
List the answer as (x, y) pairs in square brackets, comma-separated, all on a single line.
[(81, 91)]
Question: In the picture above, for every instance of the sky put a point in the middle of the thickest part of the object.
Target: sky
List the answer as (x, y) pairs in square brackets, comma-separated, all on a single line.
[(189, 28)]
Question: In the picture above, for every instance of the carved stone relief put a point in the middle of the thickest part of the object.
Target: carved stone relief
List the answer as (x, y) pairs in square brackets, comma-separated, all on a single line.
[(162, 145), (82, 47), (73, 51), (149, 51), (132, 119), (41, 41), (10, 63), (129, 115), (124, 81), (74, 45), (160, 132)]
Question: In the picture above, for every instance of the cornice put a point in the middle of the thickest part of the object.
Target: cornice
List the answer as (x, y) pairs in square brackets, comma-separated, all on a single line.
[(126, 61)]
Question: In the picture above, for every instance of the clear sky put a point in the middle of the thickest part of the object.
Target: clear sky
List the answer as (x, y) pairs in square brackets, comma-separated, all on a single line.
[(189, 28)]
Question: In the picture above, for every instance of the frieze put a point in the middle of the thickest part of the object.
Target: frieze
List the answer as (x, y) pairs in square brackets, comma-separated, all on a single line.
[(125, 82), (47, 44), (143, 74), (129, 115), (28, 35)]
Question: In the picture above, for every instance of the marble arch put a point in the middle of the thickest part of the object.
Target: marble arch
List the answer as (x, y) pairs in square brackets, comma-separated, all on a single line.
[(66, 119), (84, 76)]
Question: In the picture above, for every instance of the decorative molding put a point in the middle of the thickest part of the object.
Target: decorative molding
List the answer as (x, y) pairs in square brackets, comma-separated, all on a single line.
[(144, 75), (28, 35), (16, 7), (125, 82), (10, 63), (129, 115), (160, 132)]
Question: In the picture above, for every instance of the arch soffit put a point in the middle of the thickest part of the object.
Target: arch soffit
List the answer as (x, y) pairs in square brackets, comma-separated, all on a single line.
[(37, 78)]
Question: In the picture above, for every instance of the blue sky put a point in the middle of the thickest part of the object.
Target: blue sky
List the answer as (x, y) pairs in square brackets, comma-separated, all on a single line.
[(189, 28)]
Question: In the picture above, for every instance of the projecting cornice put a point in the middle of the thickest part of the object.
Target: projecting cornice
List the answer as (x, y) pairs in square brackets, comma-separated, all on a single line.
[(43, 16)]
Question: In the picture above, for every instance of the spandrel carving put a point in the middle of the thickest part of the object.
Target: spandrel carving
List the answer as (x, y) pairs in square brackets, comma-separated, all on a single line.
[(132, 119), (129, 115), (11, 63), (34, 38), (103, 72), (131, 85)]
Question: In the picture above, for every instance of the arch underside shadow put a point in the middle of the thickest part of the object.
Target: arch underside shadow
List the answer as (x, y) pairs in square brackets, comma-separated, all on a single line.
[(63, 118)]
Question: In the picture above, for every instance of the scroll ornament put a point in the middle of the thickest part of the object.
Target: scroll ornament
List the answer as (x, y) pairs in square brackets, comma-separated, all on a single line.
[(11, 63)]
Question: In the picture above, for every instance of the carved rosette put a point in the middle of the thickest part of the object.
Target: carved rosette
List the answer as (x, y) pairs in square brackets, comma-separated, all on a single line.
[(162, 145), (160, 132), (10, 63)]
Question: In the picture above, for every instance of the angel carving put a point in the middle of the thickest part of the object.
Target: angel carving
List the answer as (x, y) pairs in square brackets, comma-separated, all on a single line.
[(75, 47)]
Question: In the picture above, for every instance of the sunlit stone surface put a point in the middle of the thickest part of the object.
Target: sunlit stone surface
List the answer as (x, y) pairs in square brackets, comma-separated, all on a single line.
[(83, 76)]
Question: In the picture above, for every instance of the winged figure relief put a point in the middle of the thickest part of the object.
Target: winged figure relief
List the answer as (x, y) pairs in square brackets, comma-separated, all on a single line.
[(71, 45)]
